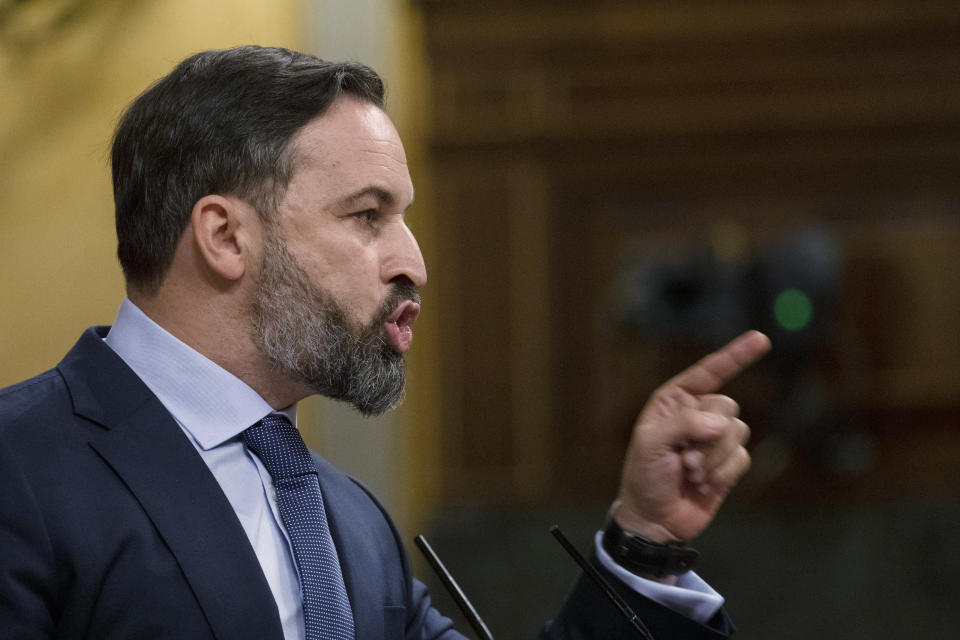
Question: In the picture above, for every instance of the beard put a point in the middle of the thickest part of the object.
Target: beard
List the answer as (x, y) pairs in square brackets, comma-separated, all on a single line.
[(306, 334)]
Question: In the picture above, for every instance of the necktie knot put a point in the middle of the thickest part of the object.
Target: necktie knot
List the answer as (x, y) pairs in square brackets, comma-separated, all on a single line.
[(280, 448)]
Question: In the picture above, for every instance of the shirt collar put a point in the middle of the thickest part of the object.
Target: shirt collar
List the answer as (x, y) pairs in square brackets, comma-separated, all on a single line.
[(209, 402)]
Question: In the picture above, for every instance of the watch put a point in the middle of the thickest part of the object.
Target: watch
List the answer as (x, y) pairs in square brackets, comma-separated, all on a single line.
[(641, 556)]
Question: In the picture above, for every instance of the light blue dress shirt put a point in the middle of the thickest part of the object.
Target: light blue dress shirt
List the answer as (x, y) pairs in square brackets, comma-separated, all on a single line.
[(213, 407)]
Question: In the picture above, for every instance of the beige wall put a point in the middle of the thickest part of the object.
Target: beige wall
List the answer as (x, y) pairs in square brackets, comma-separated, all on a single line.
[(396, 454), (60, 101)]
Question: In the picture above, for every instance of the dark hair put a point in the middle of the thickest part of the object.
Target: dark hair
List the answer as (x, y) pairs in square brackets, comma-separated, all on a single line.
[(220, 122)]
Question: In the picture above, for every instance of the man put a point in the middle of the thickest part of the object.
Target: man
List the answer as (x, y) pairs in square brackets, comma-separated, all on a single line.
[(153, 483)]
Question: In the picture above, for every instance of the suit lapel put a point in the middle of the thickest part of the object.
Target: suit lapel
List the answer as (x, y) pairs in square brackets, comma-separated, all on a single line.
[(367, 547), (144, 446)]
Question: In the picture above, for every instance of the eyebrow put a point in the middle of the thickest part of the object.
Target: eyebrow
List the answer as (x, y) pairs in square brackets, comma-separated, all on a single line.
[(379, 193)]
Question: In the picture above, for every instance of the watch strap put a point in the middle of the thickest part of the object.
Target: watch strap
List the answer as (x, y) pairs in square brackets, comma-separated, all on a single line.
[(645, 557)]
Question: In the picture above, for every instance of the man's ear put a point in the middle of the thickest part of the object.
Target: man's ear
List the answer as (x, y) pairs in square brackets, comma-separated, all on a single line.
[(224, 230)]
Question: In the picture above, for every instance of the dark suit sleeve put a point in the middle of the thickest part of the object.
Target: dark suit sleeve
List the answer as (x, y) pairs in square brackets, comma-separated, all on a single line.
[(586, 615), (26, 557), (425, 621), (589, 614), (417, 618)]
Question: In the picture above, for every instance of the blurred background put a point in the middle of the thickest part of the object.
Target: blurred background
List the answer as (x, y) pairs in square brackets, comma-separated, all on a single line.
[(605, 192)]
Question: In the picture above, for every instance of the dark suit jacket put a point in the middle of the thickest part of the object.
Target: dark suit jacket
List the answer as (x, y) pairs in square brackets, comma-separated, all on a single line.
[(111, 526)]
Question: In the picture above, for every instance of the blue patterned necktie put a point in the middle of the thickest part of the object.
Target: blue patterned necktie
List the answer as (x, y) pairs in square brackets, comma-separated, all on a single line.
[(326, 608)]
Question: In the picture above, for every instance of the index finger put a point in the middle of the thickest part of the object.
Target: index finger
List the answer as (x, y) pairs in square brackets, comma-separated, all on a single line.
[(718, 368)]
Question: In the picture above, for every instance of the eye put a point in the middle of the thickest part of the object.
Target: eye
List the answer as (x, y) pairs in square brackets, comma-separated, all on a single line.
[(368, 216)]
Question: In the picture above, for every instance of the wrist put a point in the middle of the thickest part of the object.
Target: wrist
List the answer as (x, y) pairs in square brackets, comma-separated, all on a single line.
[(661, 557), (631, 521), (649, 531)]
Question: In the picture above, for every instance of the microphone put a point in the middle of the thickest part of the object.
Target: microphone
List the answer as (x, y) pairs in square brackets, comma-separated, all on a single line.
[(601, 582), (454, 589), (477, 622)]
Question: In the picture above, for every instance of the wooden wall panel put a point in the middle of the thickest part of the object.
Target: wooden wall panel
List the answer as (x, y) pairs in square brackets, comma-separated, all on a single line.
[(568, 135)]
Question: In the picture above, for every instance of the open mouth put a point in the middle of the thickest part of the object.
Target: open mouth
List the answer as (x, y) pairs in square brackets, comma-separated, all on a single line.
[(399, 325)]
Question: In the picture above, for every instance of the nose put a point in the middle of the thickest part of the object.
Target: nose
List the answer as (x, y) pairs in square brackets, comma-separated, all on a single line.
[(403, 257)]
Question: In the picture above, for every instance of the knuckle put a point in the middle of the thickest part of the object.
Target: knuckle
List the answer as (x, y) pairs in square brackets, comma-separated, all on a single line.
[(733, 405), (727, 475), (729, 406), (721, 404), (743, 431)]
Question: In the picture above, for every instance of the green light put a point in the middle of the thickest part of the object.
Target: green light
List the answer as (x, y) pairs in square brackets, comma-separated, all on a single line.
[(793, 309)]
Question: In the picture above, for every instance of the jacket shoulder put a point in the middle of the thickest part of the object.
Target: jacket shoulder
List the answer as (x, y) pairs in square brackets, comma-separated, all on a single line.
[(35, 397)]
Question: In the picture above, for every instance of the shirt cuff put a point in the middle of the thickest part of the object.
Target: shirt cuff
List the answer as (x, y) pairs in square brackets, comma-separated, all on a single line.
[(691, 596)]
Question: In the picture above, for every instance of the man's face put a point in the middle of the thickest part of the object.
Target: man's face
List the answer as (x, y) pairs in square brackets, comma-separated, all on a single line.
[(335, 297)]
